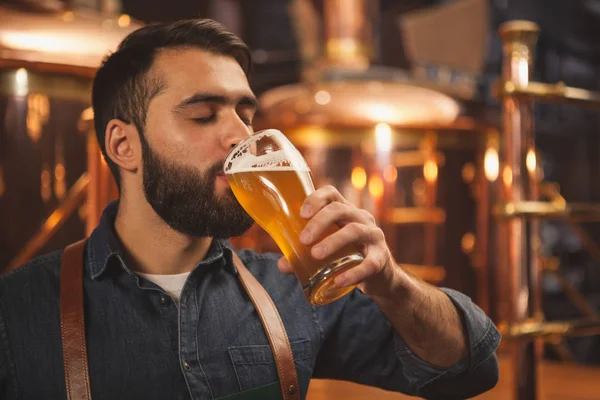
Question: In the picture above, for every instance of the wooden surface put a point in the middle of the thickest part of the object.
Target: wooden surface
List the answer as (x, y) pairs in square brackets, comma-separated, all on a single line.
[(559, 381)]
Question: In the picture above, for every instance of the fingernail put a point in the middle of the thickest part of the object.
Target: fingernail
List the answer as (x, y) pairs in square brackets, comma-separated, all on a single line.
[(305, 237), (318, 251), (305, 211)]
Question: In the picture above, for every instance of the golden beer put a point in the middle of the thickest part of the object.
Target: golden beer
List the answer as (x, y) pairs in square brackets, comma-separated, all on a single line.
[(273, 198)]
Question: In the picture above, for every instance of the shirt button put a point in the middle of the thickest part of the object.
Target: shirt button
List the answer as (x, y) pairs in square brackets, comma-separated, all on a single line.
[(187, 366), (164, 301)]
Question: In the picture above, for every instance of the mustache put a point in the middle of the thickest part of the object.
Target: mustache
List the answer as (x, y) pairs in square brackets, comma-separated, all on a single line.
[(214, 170)]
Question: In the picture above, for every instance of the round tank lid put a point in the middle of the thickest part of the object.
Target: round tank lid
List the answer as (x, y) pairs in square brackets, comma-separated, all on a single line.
[(359, 100), (69, 38)]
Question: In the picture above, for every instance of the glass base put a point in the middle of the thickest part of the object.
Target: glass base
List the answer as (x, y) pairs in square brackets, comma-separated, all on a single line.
[(321, 289)]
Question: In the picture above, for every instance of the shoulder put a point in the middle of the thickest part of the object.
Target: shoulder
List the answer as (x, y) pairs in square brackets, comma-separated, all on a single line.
[(262, 265), (264, 268), (249, 256), (36, 279)]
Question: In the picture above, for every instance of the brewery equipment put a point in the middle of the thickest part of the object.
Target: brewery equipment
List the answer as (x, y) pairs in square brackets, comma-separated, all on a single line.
[(394, 143), (49, 161), (521, 207)]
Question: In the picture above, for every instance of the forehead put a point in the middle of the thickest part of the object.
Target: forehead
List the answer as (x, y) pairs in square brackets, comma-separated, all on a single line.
[(187, 71)]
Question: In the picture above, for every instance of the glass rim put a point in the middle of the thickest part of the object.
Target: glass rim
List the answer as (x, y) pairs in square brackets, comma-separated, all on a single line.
[(255, 136)]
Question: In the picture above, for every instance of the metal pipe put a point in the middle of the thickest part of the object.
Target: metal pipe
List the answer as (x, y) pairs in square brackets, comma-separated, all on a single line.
[(551, 93), (520, 242), (73, 200), (102, 188), (349, 32), (528, 331)]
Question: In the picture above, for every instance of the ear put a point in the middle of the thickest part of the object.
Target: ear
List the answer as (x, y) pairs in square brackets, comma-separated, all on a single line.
[(123, 145)]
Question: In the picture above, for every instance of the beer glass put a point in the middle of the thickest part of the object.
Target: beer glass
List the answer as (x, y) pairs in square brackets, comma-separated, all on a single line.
[(271, 180)]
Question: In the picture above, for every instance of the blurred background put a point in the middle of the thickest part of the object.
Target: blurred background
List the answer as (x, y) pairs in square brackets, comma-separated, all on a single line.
[(402, 105)]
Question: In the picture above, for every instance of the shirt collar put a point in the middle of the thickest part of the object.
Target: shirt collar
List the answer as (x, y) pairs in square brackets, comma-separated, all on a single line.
[(104, 246)]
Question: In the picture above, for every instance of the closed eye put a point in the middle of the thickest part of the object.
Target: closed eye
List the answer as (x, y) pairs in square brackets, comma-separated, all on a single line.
[(205, 120)]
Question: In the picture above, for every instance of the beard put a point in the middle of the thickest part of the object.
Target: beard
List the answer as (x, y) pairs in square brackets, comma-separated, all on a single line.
[(185, 198)]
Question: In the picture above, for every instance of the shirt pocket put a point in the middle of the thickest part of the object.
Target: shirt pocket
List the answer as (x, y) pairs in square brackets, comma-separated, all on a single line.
[(255, 365)]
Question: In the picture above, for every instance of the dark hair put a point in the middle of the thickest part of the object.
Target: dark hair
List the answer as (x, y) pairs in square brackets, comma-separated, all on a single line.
[(123, 87)]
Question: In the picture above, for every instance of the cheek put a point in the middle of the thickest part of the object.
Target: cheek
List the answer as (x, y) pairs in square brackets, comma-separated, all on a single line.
[(183, 140)]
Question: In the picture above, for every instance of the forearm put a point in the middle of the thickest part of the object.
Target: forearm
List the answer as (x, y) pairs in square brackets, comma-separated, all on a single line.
[(425, 318)]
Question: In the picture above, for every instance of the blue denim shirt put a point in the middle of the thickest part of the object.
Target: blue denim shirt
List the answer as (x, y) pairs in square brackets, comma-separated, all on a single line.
[(141, 345)]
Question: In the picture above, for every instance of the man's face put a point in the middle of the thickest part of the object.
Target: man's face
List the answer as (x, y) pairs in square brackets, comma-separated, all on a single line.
[(206, 108)]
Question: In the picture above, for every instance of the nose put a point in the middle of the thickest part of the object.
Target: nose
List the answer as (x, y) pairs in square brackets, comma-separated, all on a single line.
[(235, 132)]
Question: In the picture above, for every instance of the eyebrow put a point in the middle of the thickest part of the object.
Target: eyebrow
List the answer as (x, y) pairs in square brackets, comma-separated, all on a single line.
[(198, 98)]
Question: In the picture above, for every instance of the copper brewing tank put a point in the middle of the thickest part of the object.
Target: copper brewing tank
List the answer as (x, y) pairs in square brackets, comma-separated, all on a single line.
[(397, 146), (53, 182)]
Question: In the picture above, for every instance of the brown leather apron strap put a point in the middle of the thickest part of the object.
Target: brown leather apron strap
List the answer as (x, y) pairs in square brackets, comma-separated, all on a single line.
[(278, 339), (72, 324)]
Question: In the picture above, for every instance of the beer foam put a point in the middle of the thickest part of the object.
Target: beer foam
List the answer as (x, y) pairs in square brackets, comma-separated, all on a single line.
[(278, 155)]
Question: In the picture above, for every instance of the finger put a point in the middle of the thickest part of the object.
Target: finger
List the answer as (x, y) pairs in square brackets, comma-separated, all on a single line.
[(371, 266), (333, 215), (352, 234), (285, 266), (319, 199)]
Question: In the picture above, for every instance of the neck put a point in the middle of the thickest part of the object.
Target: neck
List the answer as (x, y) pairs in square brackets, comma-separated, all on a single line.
[(153, 247)]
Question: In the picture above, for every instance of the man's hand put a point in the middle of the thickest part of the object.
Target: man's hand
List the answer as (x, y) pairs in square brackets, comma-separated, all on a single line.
[(326, 208), (421, 314)]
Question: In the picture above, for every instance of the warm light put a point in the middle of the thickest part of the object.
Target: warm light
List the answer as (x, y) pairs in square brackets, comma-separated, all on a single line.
[(523, 72), (322, 97), (54, 42), (383, 137), (359, 178), (342, 47), (60, 189), (21, 82), (491, 164), (507, 175), (376, 187), (430, 171), (531, 161), (45, 189), (467, 243), (68, 16), (38, 111), (124, 21), (87, 114), (382, 112), (53, 220), (468, 172), (390, 173), (59, 172)]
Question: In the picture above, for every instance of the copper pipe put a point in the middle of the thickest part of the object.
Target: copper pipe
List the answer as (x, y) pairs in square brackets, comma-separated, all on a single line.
[(482, 242), (431, 179), (528, 331), (519, 248), (416, 215), (102, 188), (348, 32), (72, 200), (551, 93), (429, 273), (416, 158)]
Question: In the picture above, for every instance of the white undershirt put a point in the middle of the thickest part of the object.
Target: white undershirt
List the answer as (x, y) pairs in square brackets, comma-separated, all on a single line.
[(172, 284)]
